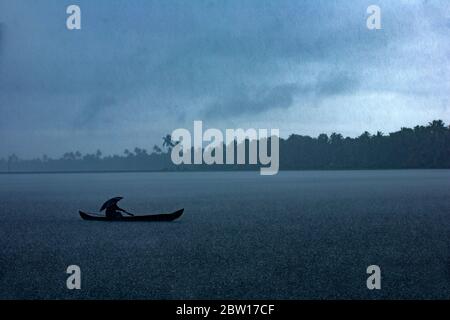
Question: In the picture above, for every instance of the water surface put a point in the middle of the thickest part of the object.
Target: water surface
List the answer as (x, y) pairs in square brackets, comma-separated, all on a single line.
[(296, 235)]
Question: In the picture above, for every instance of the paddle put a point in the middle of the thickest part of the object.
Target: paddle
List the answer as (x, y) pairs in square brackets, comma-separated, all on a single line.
[(128, 213)]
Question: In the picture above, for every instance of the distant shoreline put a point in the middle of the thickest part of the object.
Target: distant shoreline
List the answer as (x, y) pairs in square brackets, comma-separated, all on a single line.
[(421, 147), (211, 171)]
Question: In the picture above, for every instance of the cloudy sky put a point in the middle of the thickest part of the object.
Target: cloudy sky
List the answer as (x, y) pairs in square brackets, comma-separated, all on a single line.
[(140, 69)]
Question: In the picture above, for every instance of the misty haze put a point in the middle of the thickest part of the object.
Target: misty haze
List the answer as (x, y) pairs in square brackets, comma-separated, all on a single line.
[(91, 93)]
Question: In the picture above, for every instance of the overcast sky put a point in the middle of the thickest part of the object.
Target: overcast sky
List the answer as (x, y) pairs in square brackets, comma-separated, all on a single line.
[(140, 69)]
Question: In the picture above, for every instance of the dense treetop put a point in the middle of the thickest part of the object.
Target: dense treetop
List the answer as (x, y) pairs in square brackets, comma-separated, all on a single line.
[(418, 147)]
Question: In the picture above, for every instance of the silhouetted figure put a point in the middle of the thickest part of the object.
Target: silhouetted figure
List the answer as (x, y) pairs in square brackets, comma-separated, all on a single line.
[(112, 210)]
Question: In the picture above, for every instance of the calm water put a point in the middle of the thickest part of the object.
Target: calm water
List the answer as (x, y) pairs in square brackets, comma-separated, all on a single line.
[(293, 236)]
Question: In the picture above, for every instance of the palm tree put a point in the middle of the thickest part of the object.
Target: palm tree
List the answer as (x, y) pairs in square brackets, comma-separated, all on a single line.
[(157, 149), (140, 152), (68, 156), (437, 124), (167, 141)]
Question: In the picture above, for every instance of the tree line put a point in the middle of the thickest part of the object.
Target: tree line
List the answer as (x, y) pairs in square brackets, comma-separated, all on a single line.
[(419, 147)]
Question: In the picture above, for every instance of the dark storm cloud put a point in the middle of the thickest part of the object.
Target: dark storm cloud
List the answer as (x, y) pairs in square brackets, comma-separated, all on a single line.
[(95, 112), (244, 102), (335, 84), (253, 101), (203, 57), (145, 67)]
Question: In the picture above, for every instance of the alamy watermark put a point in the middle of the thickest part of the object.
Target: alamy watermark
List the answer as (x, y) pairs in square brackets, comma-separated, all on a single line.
[(373, 22), (73, 21), (374, 280), (73, 282), (235, 140)]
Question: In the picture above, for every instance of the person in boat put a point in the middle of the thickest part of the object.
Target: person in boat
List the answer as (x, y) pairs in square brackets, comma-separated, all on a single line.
[(112, 210)]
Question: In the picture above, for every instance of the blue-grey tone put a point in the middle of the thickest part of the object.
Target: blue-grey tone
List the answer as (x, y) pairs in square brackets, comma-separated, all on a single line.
[(139, 69), (242, 236)]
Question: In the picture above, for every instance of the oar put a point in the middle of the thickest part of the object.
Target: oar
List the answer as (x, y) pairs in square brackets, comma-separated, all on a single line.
[(128, 213)]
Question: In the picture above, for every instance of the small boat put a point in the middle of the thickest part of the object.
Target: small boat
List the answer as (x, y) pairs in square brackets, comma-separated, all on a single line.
[(152, 217)]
